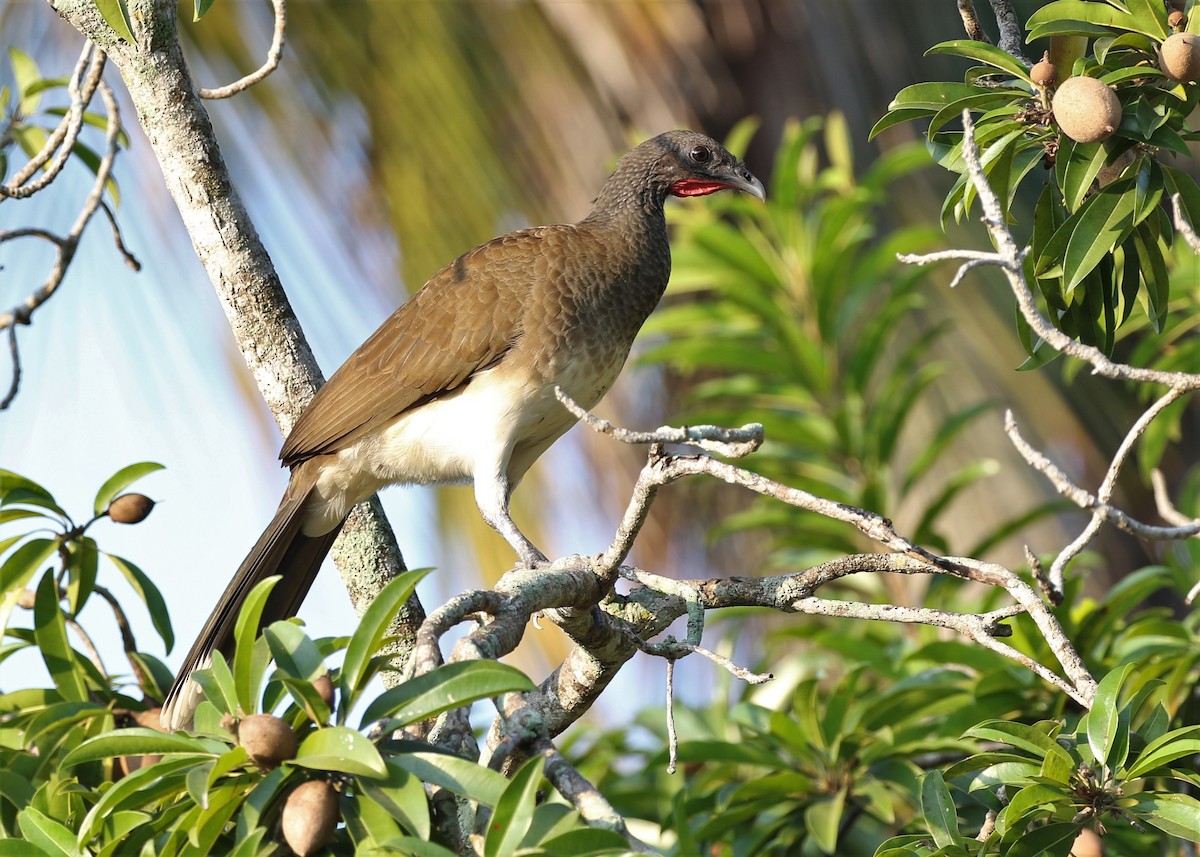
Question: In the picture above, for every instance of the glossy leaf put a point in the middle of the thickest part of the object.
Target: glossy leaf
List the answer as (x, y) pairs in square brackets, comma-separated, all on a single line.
[(938, 810), (1099, 225), (449, 686), (1165, 749), (119, 481), (372, 628), (245, 670), (1173, 813), (403, 796), (137, 741), (1107, 730), (156, 606), (982, 52), (47, 835), (338, 748), (18, 569), (460, 776), (116, 15), (50, 632), (823, 819), (514, 811)]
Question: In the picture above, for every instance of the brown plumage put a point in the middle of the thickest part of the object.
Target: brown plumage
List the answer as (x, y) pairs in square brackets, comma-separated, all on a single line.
[(458, 384)]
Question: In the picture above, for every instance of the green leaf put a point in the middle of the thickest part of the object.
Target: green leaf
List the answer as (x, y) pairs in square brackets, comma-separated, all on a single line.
[(446, 687), (46, 834), (1176, 814), (982, 52), (514, 811), (82, 568), (245, 674), (294, 652), (50, 632), (121, 480), (1076, 166), (1107, 731), (18, 570), (471, 780), (218, 685), (823, 819), (339, 748), (403, 796), (1099, 226), (937, 807), (1093, 19), (932, 97), (415, 847), (116, 15), (200, 7), (136, 741), (1046, 840), (151, 597), (25, 75), (1165, 749), (1025, 801), (372, 627), (1018, 735)]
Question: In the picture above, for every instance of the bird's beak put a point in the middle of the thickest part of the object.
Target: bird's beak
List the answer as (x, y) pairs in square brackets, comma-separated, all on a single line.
[(740, 178)]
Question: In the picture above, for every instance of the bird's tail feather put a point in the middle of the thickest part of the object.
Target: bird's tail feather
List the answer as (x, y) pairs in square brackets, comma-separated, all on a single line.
[(281, 549)]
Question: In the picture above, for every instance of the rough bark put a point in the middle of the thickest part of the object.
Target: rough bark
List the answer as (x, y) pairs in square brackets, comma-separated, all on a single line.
[(266, 329)]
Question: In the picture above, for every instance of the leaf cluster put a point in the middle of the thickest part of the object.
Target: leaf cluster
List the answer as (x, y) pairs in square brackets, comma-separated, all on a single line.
[(796, 314), (81, 778), (1100, 232)]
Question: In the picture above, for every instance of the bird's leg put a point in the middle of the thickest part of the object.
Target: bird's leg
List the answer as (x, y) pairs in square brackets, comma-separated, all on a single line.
[(491, 495)]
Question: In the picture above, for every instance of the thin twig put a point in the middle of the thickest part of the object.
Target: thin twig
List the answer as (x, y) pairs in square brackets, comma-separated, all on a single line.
[(729, 442), (15, 355), (274, 55), (1183, 226), (672, 735), (1012, 34)]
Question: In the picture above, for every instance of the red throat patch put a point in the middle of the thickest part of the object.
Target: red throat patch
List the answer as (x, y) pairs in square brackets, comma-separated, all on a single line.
[(696, 187)]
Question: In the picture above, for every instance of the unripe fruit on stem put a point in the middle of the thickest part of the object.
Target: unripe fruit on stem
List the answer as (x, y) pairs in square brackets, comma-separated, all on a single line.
[(1044, 74), (1179, 57), (130, 508), (267, 740), (309, 817), (1177, 21), (1086, 109)]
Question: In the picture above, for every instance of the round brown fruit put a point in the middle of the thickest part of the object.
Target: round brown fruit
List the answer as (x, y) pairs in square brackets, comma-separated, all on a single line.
[(323, 685), (267, 740), (1086, 109), (1043, 73), (1179, 57), (1177, 21), (130, 508), (309, 816)]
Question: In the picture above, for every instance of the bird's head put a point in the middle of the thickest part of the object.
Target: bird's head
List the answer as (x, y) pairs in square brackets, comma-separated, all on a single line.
[(692, 164), (677, 163)]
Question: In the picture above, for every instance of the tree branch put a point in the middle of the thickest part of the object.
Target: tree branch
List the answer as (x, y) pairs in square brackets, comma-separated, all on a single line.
[(274, 55)]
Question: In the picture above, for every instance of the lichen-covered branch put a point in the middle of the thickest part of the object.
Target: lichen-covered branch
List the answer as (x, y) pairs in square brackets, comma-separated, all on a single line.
[(178, 129), (274, 55)]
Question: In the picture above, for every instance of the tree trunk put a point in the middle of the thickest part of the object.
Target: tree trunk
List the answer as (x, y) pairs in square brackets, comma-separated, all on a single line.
[(263, 323)]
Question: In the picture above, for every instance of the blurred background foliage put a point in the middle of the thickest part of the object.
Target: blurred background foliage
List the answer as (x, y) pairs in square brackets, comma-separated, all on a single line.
[(398, 134)]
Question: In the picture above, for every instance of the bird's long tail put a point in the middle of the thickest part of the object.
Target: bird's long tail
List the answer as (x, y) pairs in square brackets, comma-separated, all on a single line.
[(281, 549)]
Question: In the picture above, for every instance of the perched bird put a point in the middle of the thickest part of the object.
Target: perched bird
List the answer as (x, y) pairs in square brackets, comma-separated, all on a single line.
[(458, 384)]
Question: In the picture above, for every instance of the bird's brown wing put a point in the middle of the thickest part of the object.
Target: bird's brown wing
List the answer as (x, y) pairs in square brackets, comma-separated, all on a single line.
[(459, 323)]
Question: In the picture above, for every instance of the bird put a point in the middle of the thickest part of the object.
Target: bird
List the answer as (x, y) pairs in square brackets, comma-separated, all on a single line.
[(457, 385)]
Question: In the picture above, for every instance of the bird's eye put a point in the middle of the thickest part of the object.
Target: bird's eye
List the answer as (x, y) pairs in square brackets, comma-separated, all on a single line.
[(701, 155)]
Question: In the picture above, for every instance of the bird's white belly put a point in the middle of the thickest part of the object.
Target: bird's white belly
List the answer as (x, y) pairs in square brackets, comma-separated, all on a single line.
[(448, 440)]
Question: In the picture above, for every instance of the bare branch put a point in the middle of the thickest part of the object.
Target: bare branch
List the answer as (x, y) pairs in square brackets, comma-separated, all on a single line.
[(732, 443), (1009, 257), (15, 355), (274, 55), (672, 735), (62, 140), (1012, 34), (1181, 224), (1085, 499), (966, 10), (1163, 502)]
